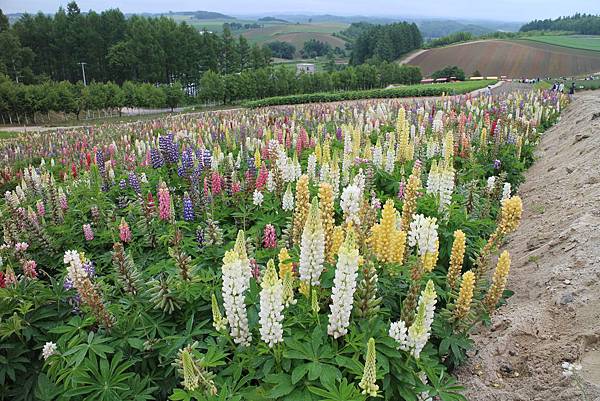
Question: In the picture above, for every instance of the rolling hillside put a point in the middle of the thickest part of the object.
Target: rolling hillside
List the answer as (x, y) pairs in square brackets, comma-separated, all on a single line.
[(515, 59), (297, 34)]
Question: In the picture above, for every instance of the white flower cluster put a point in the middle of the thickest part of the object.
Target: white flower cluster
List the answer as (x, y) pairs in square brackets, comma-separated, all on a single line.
[(48, 350), (506, 190), (271, 306), (378, 155), (270, 182), (75, 268), (398, 332), (257, 197), (423, 234), (491, 183), (420, 330), (311, 168), (440, 182), (342, 293), (287, 203), (312, 247), (350, 203), (424, 395), (236, 280), (390, 158)]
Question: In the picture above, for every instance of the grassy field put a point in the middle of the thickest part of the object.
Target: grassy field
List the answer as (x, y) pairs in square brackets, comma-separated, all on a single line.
[(513, 58), (297, 34), (583, 42)]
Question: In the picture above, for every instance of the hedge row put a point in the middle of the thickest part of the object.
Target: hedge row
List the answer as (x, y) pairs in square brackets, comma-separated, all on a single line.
[(405, 91)]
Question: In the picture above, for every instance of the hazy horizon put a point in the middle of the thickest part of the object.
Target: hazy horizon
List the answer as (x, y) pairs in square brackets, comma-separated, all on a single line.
[(501, 10)]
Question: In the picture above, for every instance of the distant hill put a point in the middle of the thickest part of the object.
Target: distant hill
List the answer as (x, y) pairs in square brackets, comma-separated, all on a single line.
[(272, 19), (438, 28), (211, 15)]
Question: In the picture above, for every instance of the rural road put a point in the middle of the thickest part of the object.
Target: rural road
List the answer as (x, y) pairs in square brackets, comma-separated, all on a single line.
[(555, 275)]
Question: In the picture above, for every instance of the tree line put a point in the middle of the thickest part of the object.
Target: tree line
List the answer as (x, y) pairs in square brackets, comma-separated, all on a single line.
[(21, 103), (385, 42), (455, 37), (118, 49), (584, 24)]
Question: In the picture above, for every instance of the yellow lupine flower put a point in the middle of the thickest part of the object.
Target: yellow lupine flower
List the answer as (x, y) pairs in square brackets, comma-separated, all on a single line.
[(465, 296), (410, 198), (285, 265), (367, 383), (302, 205), (337, 240), (327, 213), (456, 258), (498, 281)]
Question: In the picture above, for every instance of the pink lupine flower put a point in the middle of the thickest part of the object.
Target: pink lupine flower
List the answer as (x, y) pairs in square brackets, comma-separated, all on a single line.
[(41, 209), (206, 190), (87, 232), (29, 269), (62, 199), (2, 280), (255, 268), (263, 175), (215, 184), (236, 187), (269, 237), (124, 231), (401, 189), (10, 277), (21, 246), (164, 202)]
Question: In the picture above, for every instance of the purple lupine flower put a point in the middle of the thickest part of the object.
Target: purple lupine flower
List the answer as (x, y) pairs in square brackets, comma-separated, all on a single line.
[(135, 183), (122, 184), (100, 161), (497, 164), (68, 283), (251, 166), (90, 269), (200, 237), (188, 208), (206, 157), (156, 158), (186, 160), (338, 134)]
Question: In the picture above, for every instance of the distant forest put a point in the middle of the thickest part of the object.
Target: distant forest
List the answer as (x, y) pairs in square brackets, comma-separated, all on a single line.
[(383, 42), (584, 24)]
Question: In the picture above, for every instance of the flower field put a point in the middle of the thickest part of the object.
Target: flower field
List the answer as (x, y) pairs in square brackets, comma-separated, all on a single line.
[(313, 252)]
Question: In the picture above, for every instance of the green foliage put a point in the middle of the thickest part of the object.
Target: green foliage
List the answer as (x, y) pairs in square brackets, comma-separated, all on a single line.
[(449, 72), (408, 91), (455, 37), (385, 42)]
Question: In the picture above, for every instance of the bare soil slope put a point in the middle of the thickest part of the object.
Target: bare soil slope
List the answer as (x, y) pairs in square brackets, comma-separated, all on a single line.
[(554, 315), (515, 59)]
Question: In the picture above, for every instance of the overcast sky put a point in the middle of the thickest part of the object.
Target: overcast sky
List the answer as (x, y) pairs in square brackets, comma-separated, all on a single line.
[(512, 10)]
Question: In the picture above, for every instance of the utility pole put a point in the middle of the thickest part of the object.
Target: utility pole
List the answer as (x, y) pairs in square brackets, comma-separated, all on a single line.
[(83, 71)]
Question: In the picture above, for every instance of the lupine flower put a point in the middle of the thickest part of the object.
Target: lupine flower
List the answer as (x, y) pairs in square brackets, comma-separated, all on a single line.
[(236, 275), (288, 200), (506, 191), (327, 216), (29, 269), (164, 202), (367, 383), (9, 276), (302, 206), (344, 285), (312, 248), (41, 210), (271, 306), (134, 183), (465, 296), (21, 246), (255, 269), (497, 164), (2, 280), (87, 232), (410, 197), (398, 332), (261, 180), (49, 350), (200, 237), (498, 281), (257, 197), (456, 258), (124, 231), (420, 330), (219, 322), (188, 208), (350, 204), (269, 237)]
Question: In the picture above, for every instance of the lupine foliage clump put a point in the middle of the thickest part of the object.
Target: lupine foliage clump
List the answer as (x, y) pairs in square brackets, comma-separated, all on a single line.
[(318, 252)]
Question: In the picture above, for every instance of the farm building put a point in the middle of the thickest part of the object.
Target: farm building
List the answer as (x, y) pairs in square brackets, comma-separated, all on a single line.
[(307, 68)]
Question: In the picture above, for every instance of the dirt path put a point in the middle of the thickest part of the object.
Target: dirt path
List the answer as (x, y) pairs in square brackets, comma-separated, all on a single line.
[(554, 315)]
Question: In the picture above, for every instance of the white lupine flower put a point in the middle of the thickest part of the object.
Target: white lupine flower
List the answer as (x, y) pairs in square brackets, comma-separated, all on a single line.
[(423, 234), (312, 247), (360, 181), (506, 191), (423, 396), (446, 187), (143, 178), (288, 200), (350, 204), (335, 180), (491, 183), (257, 197), (398, 332), (236, 273), (271, 306), (420, 330), (377, 155), (311, 168), (344, 285), (270, 182), (390, 158), (75, 269), (49, 350), (324, 173)]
